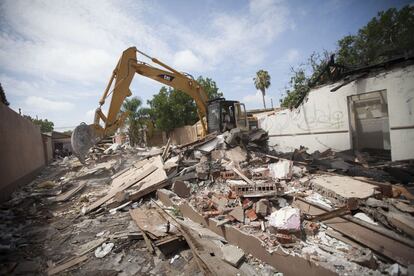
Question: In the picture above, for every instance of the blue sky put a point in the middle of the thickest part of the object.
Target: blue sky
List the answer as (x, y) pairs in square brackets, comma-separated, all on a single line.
[(57, 56)]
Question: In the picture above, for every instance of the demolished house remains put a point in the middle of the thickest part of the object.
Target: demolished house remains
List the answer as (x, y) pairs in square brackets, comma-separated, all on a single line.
[(221, 205), (300, 195)]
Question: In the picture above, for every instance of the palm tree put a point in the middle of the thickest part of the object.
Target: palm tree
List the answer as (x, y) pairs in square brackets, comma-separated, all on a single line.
[(132, 106), (262, 82)]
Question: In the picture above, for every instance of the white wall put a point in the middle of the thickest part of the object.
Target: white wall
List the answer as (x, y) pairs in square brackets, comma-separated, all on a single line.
[(322, 122)]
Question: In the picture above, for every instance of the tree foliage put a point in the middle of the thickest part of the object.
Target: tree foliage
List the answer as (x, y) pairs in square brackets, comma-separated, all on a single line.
[(262, 82), (300, 83), (387, 35), (132, 106), (44, 124), (172, 108)]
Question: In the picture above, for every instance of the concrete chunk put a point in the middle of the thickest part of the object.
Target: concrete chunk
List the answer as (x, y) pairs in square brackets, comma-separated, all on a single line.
[(281, 169), (262, 207), (232, 254), (287, 218), (181, 189)]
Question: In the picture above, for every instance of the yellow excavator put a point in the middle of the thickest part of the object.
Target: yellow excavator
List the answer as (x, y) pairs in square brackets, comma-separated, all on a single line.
[(219, 114)]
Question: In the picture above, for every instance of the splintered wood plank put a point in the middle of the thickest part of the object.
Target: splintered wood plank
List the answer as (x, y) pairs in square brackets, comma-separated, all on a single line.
[(149, 220), (66, 265), (239, 173), (156, 177), (65, 196), (131, 181)]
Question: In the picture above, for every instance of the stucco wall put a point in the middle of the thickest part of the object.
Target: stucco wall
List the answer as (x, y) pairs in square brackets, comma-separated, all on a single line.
[(21, 151), (322, 122)]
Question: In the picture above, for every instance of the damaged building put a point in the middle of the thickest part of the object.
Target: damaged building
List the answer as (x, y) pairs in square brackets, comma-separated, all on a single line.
[(368, 108), (324, 189)]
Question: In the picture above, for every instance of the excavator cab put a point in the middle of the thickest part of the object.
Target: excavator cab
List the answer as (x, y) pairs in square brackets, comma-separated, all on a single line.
[(225, 115)]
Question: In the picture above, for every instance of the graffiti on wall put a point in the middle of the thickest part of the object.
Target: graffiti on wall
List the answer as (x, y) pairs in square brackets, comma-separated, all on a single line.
[(305, 120)]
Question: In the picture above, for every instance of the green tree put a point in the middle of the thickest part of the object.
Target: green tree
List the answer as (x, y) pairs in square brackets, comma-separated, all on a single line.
[(132, 106), (210, 87), (300, 83), (262, 82), (387, 35), (44, 124), (172, 108), (3, 96)]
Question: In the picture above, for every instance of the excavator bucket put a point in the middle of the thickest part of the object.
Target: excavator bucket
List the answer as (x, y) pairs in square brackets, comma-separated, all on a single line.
[(83, 138)]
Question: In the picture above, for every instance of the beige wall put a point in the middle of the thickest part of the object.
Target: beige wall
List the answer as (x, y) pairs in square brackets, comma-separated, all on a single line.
[(322, 121), (184, 135), (21, 151)]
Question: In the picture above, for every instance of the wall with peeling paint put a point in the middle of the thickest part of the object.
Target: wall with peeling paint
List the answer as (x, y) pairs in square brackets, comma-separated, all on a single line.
[(323, 120)]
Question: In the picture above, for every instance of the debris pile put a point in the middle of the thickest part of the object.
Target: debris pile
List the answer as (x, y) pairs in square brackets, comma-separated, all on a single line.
[(225, 203)]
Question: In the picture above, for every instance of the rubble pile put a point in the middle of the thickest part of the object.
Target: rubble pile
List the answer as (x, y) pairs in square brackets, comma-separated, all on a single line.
[(221, 204)]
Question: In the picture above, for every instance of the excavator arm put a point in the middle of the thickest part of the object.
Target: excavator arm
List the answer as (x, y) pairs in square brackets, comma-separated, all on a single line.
[(85, 136)]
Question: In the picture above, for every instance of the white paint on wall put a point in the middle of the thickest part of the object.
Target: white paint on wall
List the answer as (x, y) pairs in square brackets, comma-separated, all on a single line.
[(322, 121)]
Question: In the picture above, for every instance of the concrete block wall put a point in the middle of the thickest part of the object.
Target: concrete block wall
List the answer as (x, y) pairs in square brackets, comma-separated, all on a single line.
[(21, 151), (323, 122)]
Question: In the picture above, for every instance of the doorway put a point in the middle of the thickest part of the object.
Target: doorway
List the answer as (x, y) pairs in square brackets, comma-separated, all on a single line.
[(368, 113)]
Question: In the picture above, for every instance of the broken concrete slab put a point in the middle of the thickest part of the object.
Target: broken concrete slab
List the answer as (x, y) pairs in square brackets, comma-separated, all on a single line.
[(343, 188), (238, 213), (236, 154), (285, 263), (232, 254)]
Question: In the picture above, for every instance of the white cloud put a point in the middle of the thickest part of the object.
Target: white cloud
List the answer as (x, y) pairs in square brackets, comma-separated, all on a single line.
[(292, 55), (71, 40), (238, 39), (187, 61), (256, 100), (61, 53), (43, 104), (90, 115)]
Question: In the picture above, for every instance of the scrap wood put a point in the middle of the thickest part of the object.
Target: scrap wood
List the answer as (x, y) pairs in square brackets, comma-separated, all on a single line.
[(166, 149), (66, 265), (148, 243), (149, 220), (65, 196), (280, 158), (89, 246), (331, 214), (399, 190), (147, 190), (199, 142), (209, 263), (239, 173), (381, 241), (128, 184)]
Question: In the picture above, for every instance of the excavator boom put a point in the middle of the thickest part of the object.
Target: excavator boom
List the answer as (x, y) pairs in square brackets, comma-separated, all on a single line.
[(85, 136)]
